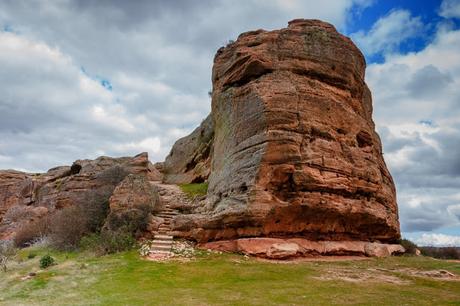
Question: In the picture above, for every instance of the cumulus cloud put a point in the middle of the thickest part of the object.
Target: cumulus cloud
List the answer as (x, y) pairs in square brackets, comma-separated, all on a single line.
[(438, 240), (84, 78), (416, 108), (450, 9), (389, 32)]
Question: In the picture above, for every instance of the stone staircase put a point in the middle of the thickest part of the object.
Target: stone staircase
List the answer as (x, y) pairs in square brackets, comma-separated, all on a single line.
[(163, 240)]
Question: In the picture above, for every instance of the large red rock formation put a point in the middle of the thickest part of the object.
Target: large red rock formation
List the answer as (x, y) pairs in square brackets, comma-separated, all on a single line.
[(295, 152)]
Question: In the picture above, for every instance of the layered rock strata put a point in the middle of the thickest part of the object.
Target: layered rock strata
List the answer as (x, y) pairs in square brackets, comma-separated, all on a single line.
[(276, 248), (295, 152)]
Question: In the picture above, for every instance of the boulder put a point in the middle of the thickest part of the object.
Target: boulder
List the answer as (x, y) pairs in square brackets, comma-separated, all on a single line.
[(132, 203), (153, 173), (189, 160), (282, 248), (295, 151)]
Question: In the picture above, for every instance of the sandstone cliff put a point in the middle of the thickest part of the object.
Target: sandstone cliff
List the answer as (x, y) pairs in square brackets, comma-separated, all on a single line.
[(189, 160), (295, 152)]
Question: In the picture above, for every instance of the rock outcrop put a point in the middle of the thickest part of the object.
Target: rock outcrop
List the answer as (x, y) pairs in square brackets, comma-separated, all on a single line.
[(295, 152), (132, 203), (25, 197), (189, 160), (276, 248)]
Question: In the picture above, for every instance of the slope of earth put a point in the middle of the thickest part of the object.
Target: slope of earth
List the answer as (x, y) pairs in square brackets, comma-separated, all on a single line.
[(211, 279)]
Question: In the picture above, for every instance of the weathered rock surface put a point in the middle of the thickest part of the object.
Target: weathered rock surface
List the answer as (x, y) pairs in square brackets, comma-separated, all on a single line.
[(132, 199), (295, 152), (189, 160), (277, 248), (25, 197)]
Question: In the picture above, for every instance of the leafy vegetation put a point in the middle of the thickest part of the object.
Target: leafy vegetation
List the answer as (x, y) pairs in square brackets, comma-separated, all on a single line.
[(409, 246), (46, 261), (195, 189), (223, 279), (442, 253), (435, 252)]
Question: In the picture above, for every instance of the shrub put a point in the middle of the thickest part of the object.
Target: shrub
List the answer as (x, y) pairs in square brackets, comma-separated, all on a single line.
[(7, 251), (70, 224), (108, 242), (95, 207), (441, 252), (410, 247), (67, 228), (117, 241), (32, 231), (46, 261), (131, 220)]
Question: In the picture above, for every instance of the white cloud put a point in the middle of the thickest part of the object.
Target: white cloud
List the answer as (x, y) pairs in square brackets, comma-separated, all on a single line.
[(450, 9), (438, 240), (150, 144), (157, 56), (417, 114), (52, 113), (389, 32)]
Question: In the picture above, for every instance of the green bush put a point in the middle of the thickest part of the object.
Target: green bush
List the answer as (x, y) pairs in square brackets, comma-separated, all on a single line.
[(46, 261), (70, 224), (132, 220), (108, 242)]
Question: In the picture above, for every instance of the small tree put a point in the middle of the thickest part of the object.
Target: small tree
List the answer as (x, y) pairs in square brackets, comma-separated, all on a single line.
[(7, 252)]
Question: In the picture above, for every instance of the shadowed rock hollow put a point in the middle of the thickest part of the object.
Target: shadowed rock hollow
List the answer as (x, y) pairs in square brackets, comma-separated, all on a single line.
[(295, 152)]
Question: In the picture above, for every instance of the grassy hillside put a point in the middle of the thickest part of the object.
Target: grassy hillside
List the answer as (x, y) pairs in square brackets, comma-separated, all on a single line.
[(195, 189), (210, 279)]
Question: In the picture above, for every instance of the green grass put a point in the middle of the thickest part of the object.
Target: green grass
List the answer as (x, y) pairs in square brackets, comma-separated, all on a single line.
[(219, 279), (194, 190)]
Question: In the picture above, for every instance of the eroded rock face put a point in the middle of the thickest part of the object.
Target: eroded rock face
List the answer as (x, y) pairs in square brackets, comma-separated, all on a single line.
[(25, 197), (189, 160), (132, 199), (278, 248), (295, 151)]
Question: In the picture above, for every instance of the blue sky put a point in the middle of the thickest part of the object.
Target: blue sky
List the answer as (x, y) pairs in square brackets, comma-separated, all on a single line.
[(85, 78), (427, 10)]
